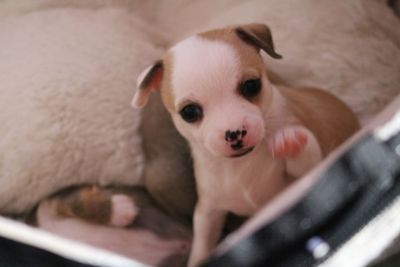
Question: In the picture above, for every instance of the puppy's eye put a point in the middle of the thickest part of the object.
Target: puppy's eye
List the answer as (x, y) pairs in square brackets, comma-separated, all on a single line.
[(191, 113), (250, 88)]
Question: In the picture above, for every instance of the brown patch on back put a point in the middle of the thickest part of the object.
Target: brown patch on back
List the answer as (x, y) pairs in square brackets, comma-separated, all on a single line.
[(87, 202), (325, 115)]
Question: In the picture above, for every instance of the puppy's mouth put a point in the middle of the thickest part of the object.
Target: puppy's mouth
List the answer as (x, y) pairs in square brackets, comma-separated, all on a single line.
[(242, 152)]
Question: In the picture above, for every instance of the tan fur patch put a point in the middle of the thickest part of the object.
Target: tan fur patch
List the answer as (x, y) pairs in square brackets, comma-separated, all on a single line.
[(326, 116), (87, 202), (166, 87)]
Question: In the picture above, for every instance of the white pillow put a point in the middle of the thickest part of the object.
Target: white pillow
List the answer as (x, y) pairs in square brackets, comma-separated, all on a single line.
[(67, 77)]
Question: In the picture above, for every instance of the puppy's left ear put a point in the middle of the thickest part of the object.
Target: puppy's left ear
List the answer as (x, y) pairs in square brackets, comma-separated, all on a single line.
[(149, 81), (258, 35)]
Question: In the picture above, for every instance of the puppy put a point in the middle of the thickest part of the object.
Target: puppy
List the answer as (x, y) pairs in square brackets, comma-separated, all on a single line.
[(122, 219), (250, 135), (149, 222)]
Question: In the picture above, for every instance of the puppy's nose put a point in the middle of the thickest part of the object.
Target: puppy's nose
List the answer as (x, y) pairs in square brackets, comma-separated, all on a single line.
[(231, 136)]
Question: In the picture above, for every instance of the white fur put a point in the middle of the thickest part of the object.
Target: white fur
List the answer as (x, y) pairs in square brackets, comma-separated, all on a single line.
[(240, 177), (201, 63), (205, 72)]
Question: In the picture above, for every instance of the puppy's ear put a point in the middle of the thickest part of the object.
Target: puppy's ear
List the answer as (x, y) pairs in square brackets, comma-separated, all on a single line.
[(149, 80), (259, 36)]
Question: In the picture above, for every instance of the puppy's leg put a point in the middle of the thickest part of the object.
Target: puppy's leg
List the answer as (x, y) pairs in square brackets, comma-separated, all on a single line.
[(299, 147), (208, 224), (97, 205)]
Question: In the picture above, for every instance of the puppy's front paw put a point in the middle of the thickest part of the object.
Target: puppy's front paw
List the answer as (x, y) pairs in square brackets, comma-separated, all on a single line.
[(288, 142), (123, 210)]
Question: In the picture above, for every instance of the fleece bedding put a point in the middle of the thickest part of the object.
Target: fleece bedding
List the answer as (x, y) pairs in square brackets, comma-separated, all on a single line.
[(68, 71)]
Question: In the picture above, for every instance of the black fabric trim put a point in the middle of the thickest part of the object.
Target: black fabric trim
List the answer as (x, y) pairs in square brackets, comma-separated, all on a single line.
[(15, 254)]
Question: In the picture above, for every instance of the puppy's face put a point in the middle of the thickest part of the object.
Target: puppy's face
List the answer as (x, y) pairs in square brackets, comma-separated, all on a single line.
[(214, 85), (217, 94)]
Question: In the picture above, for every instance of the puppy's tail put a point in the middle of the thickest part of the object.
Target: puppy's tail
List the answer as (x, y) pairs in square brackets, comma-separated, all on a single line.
[(141, 245)]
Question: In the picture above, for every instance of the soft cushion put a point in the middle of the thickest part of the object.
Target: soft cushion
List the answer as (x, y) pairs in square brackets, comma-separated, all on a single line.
[(67, 77)]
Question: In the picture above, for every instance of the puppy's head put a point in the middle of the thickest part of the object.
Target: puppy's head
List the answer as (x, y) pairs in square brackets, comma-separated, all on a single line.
[(214, 85)]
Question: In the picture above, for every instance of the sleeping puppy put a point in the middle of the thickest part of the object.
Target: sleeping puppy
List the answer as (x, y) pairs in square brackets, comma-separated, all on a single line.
[(122, 219), (150, 222), (250, 136)]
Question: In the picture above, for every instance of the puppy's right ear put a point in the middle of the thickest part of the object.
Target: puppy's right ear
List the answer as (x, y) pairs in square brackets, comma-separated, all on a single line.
[(258, 35), (149, 81)]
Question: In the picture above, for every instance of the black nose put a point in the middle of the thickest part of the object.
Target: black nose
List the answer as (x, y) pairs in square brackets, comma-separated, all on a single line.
[(231, 136)]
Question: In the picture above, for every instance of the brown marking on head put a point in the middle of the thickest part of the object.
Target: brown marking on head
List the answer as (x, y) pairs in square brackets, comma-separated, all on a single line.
[(255, 35), (258, 35)]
